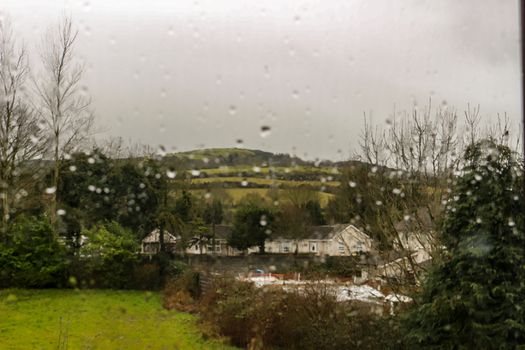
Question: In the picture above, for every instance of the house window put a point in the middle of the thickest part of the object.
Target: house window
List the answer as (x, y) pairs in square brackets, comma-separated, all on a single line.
[(217, 248), (285, 247)]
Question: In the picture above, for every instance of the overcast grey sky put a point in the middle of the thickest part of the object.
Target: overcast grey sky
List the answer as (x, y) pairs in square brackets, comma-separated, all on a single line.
[(190, 74)]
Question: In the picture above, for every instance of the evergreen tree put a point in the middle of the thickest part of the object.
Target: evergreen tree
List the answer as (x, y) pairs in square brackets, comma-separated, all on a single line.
[(251, 227), (474, 298)]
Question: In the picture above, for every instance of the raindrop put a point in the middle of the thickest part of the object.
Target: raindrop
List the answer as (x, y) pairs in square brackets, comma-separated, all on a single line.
[(91, 188), (233, 110), (256, 169), (512, 223), (73, 168), (478, 177), (195, 172), (51, 190), (244, 183), (406, 217), (263, 220), (396, 191), (352, 184), (265, 131), (86, 6), (91, 160), (61, 212), (171, 32), (379, 203), (169, 173), (161, 151)]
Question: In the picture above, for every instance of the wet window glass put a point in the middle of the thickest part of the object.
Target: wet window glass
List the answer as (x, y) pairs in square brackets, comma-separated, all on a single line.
[(202, 174)]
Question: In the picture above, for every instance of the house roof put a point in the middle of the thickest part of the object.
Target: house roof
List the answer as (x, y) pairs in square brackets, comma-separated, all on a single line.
[(154, 237), (313, 232), (421, 220)]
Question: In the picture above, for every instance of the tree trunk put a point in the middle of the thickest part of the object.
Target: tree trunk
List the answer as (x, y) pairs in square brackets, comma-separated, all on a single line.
[(56, 174)]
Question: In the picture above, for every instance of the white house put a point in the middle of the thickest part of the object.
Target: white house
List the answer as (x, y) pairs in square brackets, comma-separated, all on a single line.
[(333, 240), (151, 243), (413, 248), (217, 245)]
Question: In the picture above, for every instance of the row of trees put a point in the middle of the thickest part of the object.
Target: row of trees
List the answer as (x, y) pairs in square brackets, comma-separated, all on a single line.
[(44, 112)]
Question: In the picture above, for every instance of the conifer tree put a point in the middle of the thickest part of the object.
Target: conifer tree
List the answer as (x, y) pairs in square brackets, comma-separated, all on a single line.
[(475, 297)]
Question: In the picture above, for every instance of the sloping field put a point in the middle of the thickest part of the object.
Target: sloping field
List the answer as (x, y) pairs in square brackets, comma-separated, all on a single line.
[(95, 319)]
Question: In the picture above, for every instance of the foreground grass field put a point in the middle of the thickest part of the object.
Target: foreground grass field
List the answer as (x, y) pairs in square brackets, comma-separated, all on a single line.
[(94, 319)]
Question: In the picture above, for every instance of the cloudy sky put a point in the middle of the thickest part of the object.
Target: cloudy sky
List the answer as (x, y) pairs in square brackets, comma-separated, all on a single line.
[(188, 74)]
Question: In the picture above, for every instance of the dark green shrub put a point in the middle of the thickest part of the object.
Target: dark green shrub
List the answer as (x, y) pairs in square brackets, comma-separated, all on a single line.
[(31, 256), (109, 256)]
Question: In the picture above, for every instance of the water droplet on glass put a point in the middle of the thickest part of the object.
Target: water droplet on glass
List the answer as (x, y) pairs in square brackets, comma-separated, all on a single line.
[(256, 169), (352, 184), (170, 174), (91, 188), (265, 131), (232, 110), (244, 183), (161, 151), (61, 212), (263, 220), (73, 168), (51, 190), (195, 172), (91, 160)]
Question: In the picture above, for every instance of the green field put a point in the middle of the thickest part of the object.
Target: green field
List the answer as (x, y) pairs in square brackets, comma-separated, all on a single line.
[(95, 319), (268, 182), (300, 170), (237, 194)]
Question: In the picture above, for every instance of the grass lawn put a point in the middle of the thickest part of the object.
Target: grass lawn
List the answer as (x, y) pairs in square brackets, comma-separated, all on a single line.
[(237, 194), (95, 319), (256, 180)]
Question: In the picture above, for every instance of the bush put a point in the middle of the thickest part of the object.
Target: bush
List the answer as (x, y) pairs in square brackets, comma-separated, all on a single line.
[(310, 318), (31, 256), (182, 292), (109, 257)]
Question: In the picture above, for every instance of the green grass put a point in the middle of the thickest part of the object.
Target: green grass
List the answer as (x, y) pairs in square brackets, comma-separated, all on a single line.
[(259, 181), (299, 170), (95, 319), (236, 194)]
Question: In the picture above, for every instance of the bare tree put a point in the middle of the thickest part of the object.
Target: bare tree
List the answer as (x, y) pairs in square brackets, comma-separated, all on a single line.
[(63, 104), (20, 136), (419, 151)]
